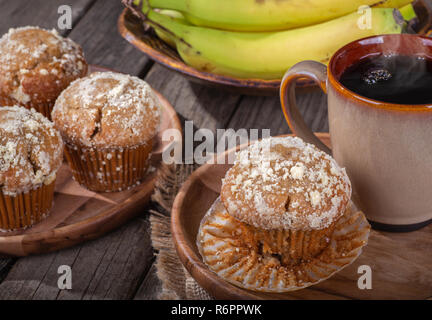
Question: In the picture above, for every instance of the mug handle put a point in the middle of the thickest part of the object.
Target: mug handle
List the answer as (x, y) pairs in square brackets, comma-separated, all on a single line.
[(424, 9), (306, 69)]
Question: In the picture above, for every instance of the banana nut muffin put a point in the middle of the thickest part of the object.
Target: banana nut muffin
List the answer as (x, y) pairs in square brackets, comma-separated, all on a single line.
[(108, 122), (36, 65), (31, 152), (289, 194)]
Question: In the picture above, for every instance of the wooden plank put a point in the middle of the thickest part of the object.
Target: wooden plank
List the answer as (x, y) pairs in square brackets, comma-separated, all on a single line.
[(5, 265), (40, 13), (151, 286), (118, 273), (208, 107), (266, 112), (107, 268), (97, 33), (25, 278)]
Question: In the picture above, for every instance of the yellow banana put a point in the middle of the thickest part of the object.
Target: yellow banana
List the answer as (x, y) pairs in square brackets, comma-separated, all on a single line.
[(392, 4), (408, 12), (267, 55), (162, 33), (265, 15)]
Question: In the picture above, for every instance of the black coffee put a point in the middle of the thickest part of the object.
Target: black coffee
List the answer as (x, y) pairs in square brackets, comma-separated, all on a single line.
[(394, 79)]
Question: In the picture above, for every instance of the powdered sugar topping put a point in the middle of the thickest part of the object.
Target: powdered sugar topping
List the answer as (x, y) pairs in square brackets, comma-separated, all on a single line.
[(285, 183), (30, 149), (108, 108), (29, 52)]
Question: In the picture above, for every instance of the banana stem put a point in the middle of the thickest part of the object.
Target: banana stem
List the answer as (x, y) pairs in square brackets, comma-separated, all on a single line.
[(408, 12), (165, 23)]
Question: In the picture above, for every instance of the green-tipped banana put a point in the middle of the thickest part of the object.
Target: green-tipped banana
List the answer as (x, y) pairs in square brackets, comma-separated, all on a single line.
[(267, 55), (408, 12), (177, 16), (265, 15)]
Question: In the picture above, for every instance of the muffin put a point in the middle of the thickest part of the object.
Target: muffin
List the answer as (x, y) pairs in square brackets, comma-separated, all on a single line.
[(108, 122), (286, 184), (31, 152), (272, 227), (36, 65)]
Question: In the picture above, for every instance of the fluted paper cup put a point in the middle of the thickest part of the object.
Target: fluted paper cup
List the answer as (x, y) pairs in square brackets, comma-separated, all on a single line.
[(227, 248), (108, 169), (25, 209)]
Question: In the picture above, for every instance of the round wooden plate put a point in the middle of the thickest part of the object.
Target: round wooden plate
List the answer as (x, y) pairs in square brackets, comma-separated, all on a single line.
[(400, 266), (132, 29), (191, 204), (79, 214)]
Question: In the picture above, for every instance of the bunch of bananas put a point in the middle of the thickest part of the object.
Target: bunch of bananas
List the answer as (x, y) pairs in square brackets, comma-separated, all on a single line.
[(261, 39)]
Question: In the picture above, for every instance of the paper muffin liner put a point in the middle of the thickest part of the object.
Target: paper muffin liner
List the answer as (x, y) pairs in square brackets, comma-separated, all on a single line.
[(228, 252), (290, 246), (44, 108), (25, 209), (109, 169)]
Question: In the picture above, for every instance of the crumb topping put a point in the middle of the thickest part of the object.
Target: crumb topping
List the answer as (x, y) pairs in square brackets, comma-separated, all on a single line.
[(107, 109), (285, 183), (37, 64), (31, 150)]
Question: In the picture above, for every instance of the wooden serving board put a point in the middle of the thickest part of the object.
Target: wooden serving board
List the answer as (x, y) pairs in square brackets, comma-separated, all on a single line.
[(401, 263), (79, 214)]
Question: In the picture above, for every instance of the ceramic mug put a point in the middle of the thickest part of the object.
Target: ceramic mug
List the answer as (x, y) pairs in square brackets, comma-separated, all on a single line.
[(386, 148)]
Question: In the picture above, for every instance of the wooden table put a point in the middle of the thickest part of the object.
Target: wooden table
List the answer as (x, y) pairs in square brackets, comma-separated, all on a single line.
[(120, 265)]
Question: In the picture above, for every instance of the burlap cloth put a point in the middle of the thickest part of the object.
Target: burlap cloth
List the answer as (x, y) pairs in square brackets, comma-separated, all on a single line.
[(175, 284)]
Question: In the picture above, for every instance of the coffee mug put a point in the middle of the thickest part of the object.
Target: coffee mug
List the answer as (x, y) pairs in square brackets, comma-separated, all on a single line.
[(386, 148)]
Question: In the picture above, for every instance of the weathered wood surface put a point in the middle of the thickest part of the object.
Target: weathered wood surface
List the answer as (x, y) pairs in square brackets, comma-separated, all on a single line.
[(40, 13), (150, 287), (119, 265), (111, 267)]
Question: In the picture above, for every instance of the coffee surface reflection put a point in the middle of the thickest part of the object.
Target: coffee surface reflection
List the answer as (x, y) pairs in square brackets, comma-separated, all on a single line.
[(391, 78)]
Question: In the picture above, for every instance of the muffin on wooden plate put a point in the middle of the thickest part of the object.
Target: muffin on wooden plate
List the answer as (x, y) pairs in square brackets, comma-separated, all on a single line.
[(108, 122), (286, 184), (36, 65), (31, 152), (279, 207)]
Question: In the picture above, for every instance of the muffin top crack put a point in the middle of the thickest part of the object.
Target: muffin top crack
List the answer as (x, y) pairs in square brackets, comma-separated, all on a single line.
[(31, 150), (285, 183), (107, 109)]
